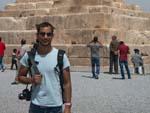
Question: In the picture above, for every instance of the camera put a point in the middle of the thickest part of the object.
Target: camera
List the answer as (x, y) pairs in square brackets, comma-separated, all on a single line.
[(25, 95)]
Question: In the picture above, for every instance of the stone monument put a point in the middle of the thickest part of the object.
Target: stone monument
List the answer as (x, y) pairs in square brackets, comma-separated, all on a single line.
[(76, 22)]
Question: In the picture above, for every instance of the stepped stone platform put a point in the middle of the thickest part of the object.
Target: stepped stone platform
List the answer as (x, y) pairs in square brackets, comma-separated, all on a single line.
[(76, 22)]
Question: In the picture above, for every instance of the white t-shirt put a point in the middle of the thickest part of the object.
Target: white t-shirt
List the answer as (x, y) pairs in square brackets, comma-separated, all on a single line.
[(24, 48), (48, 93)]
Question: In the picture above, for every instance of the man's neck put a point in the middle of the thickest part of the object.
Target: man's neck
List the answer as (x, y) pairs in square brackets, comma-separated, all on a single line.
[(42, 50)]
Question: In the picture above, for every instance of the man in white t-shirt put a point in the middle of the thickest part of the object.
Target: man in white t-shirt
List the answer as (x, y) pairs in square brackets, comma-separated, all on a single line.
[(46, 89)]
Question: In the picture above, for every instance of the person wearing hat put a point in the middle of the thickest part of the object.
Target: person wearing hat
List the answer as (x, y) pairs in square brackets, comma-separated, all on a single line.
[(137, 60)]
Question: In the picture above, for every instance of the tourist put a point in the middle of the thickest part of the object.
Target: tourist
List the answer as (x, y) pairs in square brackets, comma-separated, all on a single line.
[(14, 59), (123, 59), (113, 59), (137, 61), (46, 93), (95, 46), (2, 49)]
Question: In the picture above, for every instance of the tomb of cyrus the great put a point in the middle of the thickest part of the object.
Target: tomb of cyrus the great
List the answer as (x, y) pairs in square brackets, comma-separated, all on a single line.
[(76, 22)]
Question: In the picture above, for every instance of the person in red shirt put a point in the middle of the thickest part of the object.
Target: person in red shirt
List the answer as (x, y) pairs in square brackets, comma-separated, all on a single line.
[(123, 59), (2, 49)]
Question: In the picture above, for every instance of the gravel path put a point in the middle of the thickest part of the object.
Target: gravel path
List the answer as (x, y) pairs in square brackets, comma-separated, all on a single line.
[(108, 94)]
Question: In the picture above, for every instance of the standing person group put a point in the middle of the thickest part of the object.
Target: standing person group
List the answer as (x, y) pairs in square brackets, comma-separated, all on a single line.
[(118, 53), (2, 49), (95, 46), (46, 89)]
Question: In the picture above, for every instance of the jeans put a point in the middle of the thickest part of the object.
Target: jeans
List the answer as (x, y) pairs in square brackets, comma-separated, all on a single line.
[(39, 109), (95, 66), (122, 64), (1, 62)]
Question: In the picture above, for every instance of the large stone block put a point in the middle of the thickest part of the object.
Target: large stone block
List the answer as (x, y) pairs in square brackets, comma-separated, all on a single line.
[(99, 9), (47, 4), (118, 1), (14, 37), (10, 13), (137, 38), (83, 36), (10, 23), (82, 51), (26, 1), (128, 22), (84, 21), (56, 21), (24, 13), (20, 6), (106, 2), (85, 2), (80, 61), (79, 36), (67, 10)]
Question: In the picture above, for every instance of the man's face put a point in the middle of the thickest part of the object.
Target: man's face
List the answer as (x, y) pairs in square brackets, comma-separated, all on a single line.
[(113, 38), (45, 36)]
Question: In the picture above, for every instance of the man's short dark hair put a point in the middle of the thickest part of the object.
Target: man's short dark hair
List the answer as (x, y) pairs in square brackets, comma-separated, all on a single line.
[(44, 24), (114, 36), (121, 42), (136, 50), (95, 39)]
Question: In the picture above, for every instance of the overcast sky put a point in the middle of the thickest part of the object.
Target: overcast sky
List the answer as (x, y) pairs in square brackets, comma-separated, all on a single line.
[(144, 4)]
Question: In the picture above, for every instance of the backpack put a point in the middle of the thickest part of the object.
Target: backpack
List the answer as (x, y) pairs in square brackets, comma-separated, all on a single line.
[(58, 68)]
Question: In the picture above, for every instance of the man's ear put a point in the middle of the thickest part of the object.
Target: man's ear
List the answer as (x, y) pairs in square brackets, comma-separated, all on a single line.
[(37, 35)]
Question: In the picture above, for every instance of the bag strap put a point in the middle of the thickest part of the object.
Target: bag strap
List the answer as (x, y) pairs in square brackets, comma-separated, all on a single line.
[(32, 63), (60, 56)]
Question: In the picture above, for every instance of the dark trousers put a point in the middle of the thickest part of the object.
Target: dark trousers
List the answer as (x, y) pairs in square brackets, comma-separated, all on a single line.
[(136, 70), (14, 62), (113, 63), (42, 109), (122, 65)]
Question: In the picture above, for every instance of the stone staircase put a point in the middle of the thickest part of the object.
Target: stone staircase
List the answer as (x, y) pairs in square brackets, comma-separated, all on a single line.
[(76, 22)]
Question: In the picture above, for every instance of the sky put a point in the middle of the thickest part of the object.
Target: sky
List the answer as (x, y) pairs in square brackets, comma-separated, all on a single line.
[(144, 4)]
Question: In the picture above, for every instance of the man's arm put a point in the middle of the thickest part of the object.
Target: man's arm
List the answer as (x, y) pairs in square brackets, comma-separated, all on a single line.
[(22, 75), (67, 90), (4, 46), (128, 50), (100, 44), (88, 45)]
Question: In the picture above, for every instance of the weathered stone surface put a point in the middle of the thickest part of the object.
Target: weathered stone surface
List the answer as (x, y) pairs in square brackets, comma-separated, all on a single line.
[(20, 6), (24, 13), (26, 1), (76, 22), (14, 37), (9, 23)]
